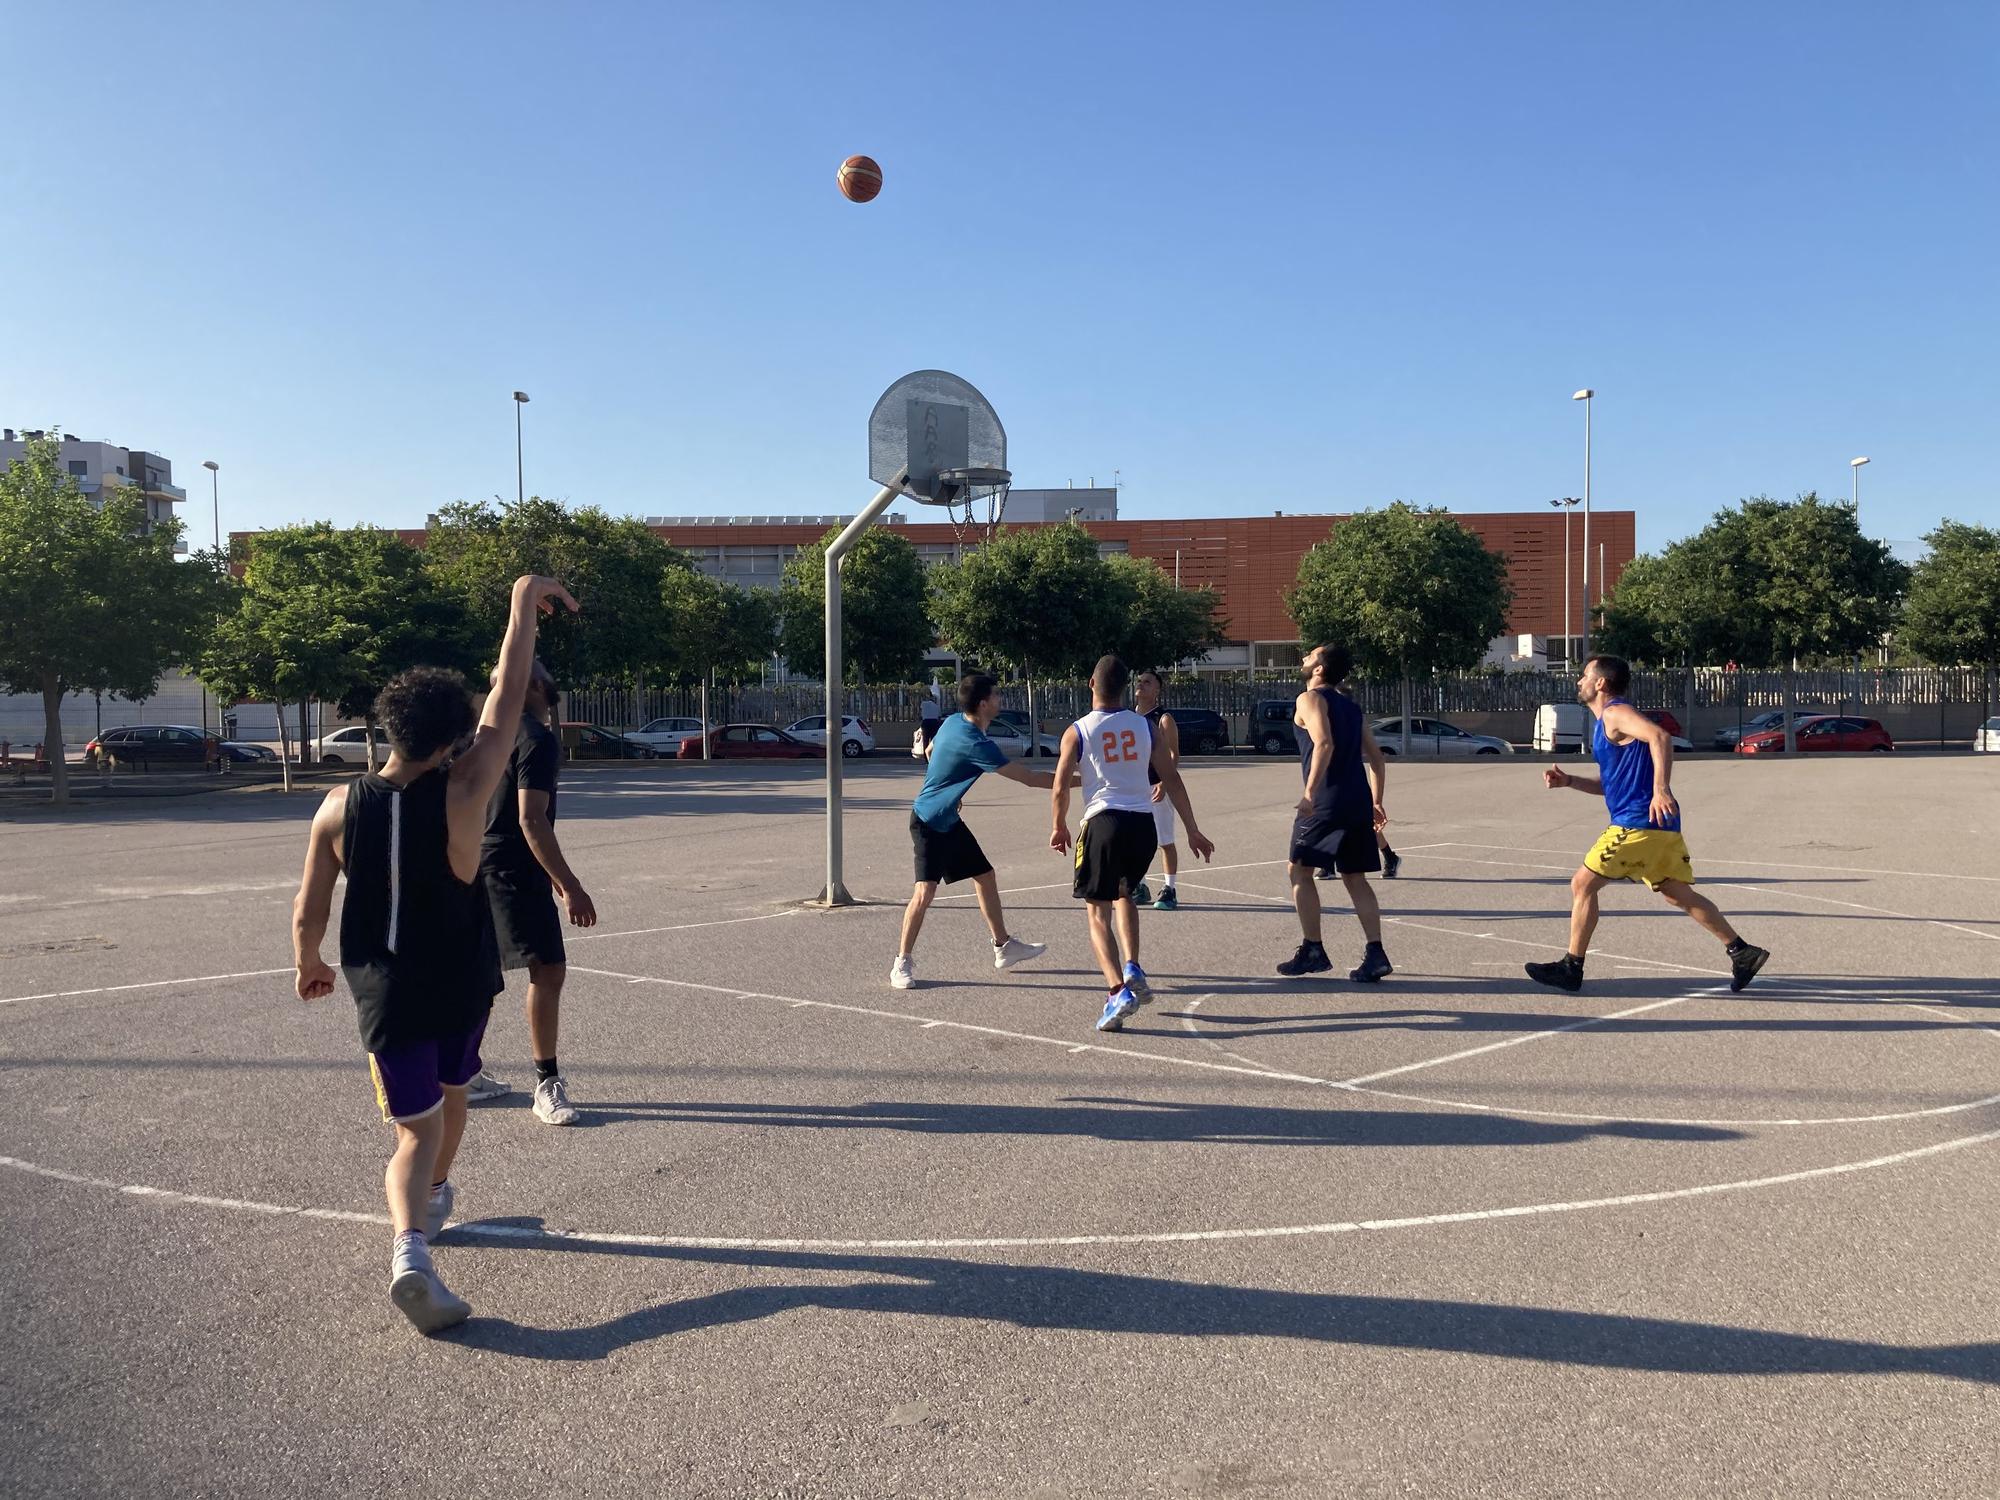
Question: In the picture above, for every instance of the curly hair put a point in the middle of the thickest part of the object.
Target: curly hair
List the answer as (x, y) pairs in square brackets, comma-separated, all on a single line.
[(425, 710)]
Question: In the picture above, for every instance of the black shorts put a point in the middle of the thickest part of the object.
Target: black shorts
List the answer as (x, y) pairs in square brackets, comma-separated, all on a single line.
[(946, 855), (1336, 845), (525, 919), (1112, 854)]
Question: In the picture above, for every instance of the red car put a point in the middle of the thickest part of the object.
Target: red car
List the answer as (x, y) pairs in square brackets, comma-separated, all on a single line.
[(1665, 719), (750, 742), (1827, 732)]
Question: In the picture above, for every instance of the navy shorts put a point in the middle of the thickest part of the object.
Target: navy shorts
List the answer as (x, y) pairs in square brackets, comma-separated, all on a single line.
[(1335, 846), (410, 1079)]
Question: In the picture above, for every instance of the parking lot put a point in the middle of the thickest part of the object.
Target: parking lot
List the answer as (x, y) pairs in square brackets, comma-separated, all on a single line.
[(1448, 1235)]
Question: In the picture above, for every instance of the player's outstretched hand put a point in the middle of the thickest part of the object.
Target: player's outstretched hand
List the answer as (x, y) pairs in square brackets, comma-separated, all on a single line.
[(1555, 776), (546, 593), (582, 910), (315, 980), (1059, 839)]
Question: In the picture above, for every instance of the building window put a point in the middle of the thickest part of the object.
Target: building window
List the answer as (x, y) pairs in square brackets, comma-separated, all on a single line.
[(80, 468)]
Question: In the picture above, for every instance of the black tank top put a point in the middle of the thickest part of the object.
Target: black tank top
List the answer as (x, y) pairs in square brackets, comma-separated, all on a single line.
[(416, 942), (1153, 718), (1344, 797)]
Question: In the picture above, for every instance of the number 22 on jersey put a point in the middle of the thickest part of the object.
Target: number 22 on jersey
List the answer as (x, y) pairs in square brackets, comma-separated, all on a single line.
[(1120, 745)]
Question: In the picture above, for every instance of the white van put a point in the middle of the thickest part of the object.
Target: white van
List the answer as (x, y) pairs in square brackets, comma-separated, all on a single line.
[(1561, 726)]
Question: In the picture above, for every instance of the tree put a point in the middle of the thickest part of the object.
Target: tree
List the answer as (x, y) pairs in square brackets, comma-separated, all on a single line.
[(885, 630), (1161, 622), (96, 600), (1407, 590), (1037, 600), (714, 626), (1952, 616), (1682, 607), (613, 564)]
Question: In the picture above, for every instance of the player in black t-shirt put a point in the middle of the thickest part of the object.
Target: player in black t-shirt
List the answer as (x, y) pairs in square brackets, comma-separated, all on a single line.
[(416, 933), (525, 871)]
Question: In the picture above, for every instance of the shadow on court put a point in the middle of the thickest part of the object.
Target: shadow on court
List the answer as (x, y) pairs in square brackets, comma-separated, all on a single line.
[(1051, 1297), (1129, 1120)]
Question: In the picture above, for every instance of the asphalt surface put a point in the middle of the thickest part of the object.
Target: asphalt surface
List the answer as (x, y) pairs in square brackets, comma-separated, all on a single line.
[(821, 1238)]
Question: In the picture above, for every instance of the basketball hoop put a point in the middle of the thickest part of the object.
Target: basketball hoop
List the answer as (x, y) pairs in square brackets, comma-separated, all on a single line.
[(974, 488)]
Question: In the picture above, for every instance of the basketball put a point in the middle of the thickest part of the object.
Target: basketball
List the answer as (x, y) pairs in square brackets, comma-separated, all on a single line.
[(859, 178)]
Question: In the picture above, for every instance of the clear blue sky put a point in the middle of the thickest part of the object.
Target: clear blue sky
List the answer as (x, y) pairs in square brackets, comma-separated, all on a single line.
[(1252, 257)]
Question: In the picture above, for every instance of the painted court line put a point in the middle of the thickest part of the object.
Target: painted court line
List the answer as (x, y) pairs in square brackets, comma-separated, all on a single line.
[(1516, 1041), (1010, 1242), (151, 984)]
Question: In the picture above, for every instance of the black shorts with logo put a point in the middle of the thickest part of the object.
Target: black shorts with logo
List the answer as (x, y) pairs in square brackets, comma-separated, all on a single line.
[(1336, 845), (946, 855), (525, 919), (1113, 853)]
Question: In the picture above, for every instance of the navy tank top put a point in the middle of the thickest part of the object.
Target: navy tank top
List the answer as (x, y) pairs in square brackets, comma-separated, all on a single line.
[(1344, 796), (1627, 772)]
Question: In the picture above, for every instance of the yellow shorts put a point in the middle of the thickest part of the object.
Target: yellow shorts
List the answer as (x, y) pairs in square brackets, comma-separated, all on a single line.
[(1653, 855)]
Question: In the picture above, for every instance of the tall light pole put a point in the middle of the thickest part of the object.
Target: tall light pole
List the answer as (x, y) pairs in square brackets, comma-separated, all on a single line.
[(1584, 396), (1854, 468), (215, 510), (1567, 504), (520, 490)]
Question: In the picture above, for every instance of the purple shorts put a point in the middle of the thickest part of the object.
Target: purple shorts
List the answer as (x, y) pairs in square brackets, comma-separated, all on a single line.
[(410, 1080)]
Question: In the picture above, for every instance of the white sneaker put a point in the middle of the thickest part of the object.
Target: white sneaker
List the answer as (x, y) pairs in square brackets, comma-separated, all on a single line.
[(485, 1086), (903, 974), (1014, 951), (426, 1301), (552, 1106), (438, 1209)]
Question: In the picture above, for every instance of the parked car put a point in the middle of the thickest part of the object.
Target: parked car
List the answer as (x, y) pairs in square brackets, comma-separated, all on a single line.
[(1988, 737), (1271, 728), (1666, 720), (1012, 738), (751, 742), (151, 745), (1727, 738), (1436, 737), (1828, 732), (242, 752), (594, 742), (1203, 730), (1561, 726), (856, 738), (349, 744), (664, 736)]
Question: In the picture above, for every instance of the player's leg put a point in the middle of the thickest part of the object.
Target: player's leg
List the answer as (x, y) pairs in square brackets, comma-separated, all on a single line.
[(1104, 941), (1374, 963), (412, 1097), (1745, 959), (902, 973), (1392, 862), (413, 1167), (986, 890), (458, 1064), (545, 986), (1566, 973), (1311, 957)]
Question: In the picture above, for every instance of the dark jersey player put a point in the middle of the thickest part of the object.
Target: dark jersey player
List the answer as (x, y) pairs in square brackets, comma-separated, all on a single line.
[(416, 934), (1635, 761)]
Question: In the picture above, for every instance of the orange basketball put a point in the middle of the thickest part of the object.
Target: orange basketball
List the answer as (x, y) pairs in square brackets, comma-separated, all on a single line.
[(859, 178)]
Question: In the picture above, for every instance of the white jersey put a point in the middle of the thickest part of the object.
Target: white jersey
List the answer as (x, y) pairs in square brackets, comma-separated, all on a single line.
[(1117, 747)]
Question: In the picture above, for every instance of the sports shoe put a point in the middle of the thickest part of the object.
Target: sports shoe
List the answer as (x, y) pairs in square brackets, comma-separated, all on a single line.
[(425, 1300), (1744, 964), (903, 975), (438, 1209), (1391, 863), (1168, 900), (1375, 966), (1143, 895), (1135, 981), (1116, 1009), (1014, 951), (1563, 974), (485, 1086), (552, 1106), (1310, 959)]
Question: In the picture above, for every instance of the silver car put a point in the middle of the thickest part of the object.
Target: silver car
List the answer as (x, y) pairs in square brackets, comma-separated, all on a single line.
[(1436, 737), (664, 736), (1988, 738)]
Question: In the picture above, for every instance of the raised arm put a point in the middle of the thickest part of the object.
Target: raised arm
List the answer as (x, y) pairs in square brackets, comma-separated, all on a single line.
[(314, 903), (1066, 768)]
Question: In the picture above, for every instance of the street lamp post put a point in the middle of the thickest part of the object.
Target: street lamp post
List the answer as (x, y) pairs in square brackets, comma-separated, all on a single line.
[(1854, 468), (1567, 504), (520, 489), (215, 515), (1585, 397)]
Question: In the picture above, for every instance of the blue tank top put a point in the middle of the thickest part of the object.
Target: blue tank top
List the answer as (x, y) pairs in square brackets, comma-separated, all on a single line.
[(1627, 771), (1344, 796)]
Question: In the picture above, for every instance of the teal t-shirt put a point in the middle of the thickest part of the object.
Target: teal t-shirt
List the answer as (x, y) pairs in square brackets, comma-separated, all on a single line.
[(960, 755)]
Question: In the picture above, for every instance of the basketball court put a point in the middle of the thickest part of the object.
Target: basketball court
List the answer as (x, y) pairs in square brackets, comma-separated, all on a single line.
[(1446, 1234)]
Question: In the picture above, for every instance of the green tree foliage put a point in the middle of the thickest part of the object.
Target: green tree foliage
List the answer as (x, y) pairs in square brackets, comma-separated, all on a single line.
[(713, 626), (884, 628), (1408, 590), (1952, 616), (1036, 600), (1160, 622), (613, 564), (97, 601)]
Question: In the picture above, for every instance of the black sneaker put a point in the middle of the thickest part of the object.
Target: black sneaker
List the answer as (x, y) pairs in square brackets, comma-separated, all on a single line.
[(1310, 959), (1560, 975), (1374, 965), (1391, 863), (1744, 964)]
